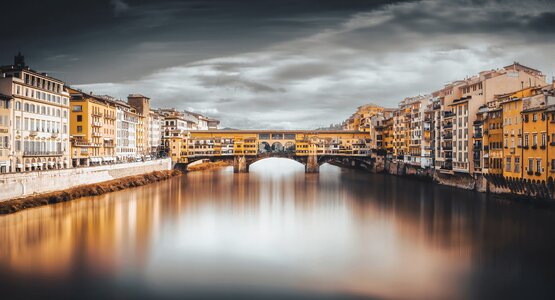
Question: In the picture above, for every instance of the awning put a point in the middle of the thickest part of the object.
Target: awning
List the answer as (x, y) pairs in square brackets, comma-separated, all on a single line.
[(34, 165), (486, 155), (50, 163), (20, 166)]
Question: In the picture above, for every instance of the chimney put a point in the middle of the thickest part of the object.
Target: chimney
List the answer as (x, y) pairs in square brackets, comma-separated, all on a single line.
[(19, 60)]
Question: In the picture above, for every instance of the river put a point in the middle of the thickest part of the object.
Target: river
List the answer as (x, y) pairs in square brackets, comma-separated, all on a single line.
[(278, 233)]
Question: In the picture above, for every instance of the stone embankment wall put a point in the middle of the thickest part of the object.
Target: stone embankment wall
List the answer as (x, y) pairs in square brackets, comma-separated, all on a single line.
[(480, 183), (17, 185)]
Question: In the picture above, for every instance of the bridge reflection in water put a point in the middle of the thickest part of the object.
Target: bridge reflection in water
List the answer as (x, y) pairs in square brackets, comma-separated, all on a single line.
[(244, 147)]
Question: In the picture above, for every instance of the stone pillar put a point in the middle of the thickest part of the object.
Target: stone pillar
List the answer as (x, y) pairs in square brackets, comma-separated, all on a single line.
[(312, 164), (240, 164)]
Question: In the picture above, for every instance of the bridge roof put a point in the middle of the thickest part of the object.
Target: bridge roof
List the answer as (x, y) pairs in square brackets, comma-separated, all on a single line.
[(299, 131)]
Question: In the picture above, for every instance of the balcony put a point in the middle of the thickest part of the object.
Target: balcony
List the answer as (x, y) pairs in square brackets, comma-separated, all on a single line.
[(33, 133), (534, 147), (538, 173), (42, 153), (97, 134), (97, 124), (542, 147), (529, 172), (448, 125), (97, 114), (447, 136), (448, 148), (448, 114), (478, 135), (109, 116)]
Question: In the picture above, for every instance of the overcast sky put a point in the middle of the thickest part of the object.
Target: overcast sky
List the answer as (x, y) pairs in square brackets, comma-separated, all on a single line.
[(276, 63)]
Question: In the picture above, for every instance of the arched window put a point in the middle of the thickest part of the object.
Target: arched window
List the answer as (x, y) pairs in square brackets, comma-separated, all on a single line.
[(17, 105)]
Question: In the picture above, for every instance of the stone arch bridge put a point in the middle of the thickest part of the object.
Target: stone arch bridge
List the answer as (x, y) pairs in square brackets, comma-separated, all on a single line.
[(244, 147)]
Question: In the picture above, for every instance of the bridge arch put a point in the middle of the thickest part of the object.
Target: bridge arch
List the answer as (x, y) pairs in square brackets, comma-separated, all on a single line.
[(277, 147), (264, 147)]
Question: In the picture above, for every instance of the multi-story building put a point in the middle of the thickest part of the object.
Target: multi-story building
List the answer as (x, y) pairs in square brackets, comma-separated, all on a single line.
[(141, 104), (40, 118), (480, 140), (535, 127), (5, 133), (493, 140), (126, 131), (465, 97), (155, 121), (92, 128), (361, 119)]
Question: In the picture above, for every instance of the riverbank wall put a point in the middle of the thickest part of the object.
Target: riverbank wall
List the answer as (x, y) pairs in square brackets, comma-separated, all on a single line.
[(485, 183), (18, 185)]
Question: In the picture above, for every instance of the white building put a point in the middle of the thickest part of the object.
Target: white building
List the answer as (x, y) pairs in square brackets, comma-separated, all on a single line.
[(40, 114), (155, 121), (126, 131)]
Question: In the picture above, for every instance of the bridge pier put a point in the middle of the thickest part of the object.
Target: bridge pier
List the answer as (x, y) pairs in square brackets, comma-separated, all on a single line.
[(312, 164), (240, 164)]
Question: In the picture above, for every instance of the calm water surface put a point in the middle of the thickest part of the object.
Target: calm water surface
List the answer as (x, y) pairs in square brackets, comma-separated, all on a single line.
[(278, 233)]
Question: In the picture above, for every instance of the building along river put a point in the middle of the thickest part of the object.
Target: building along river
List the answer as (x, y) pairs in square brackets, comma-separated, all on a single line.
[(278, 233)]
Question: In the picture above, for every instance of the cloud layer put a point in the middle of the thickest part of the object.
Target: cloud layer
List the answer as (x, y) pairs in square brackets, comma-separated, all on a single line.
[(306, 70)]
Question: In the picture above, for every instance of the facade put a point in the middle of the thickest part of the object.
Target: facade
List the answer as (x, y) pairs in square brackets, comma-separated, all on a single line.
[(155, 121), (39, 136), (493, 141), (5, 133), (141, 105), (92, 129), (126, 131)]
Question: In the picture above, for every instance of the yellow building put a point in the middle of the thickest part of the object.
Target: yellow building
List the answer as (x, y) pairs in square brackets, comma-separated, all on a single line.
[(5, 129), (361, 119), (535, 143), (512, 131), (256, 142), (493, 130), (92, 128)]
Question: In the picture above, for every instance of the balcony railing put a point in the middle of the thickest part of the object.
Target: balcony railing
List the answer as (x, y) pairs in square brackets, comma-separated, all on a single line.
[(43, 153)]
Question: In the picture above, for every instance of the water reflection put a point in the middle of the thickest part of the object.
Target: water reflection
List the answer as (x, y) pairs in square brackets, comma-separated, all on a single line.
[(278, 232)]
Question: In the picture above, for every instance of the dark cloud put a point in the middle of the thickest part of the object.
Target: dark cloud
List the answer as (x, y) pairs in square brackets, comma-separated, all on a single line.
[(272, 64), (235, 82)]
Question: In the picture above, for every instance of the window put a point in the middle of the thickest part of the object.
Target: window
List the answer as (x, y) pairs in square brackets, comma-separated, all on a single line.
[(538, 165), (79, 128), (508, 164), (534, 117), (526, 140), (553, 164), (544, 139), (79, 118), (517, 164), (534, 139), (530, 164), (77, 108)]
